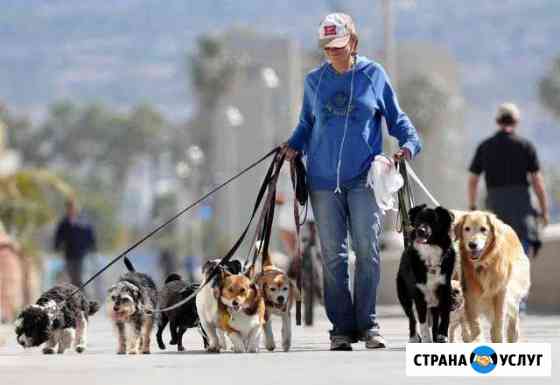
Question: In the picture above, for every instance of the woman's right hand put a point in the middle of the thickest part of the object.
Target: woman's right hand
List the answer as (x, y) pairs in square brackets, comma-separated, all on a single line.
[(289, 152)]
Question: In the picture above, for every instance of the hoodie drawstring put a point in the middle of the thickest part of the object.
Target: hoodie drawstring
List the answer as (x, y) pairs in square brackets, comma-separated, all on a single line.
[(339, 163)]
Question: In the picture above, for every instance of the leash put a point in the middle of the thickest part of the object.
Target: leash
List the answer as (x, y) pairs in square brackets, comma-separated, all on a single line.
[(268, 180), (274, 151), (406, 202), (415, 177), (298, 258), (406, 198), (264, 225)]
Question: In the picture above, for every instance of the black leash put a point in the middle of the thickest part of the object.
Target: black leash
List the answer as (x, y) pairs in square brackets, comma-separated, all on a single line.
[(157, 229), (406, 202), (269, 179), (264, 226)]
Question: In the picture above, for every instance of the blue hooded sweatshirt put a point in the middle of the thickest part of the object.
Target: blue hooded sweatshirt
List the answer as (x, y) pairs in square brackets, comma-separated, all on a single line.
[(339, 128)]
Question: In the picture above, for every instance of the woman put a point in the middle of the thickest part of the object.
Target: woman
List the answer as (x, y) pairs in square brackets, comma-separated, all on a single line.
[(340, 133)]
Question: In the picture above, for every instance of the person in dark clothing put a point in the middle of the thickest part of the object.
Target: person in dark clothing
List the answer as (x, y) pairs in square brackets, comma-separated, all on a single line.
[(510, 165), (75, 238)]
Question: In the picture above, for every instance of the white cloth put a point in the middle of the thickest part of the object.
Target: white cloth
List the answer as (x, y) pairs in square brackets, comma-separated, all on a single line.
[(384, 179)]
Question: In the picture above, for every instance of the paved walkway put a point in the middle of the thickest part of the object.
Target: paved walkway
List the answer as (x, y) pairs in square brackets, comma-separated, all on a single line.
[(310, 362)]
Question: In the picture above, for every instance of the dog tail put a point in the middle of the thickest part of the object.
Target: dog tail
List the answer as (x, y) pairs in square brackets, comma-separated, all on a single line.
[(172, 277), (129, 265), (93, 307), (266, 260)]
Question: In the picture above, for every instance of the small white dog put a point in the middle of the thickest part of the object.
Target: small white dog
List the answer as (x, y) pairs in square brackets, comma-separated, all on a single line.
[(207, 305)]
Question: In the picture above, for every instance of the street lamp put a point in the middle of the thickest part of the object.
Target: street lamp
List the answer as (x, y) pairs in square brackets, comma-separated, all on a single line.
[(235, 119), (195, 157), (270, 77), (271, 81)]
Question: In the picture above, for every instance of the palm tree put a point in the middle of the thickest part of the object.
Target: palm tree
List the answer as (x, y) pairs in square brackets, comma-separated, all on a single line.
[(27, 200)]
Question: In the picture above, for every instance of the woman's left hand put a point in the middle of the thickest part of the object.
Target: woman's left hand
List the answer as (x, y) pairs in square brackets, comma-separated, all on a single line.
[(403, 153)]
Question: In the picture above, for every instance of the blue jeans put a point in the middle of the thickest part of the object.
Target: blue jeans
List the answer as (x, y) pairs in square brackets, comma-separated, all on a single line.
[(352, 212)]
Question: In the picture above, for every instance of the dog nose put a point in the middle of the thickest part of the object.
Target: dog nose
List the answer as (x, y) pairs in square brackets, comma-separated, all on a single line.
[(234, 303), (472, 245), (115, 308), (280, 299)]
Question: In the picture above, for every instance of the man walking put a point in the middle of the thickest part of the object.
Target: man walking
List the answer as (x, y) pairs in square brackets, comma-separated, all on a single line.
[(75, 238), (510, 165)]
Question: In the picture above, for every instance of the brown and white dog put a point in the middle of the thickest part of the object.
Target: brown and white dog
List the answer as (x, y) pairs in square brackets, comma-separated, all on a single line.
[(279, 293), (457, 316), (495, 274), (241, 312), (208, 303)]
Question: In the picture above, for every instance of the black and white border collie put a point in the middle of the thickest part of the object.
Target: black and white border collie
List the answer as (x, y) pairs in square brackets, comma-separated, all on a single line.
[(425, 270)]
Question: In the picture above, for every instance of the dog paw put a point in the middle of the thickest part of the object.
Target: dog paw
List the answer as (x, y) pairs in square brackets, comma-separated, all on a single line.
[(48, 351), (80, 348), (172, 342), (213, 349), (161, 346), (252, 350), (441, 339), (132, 352), (415, 339), (121, 352), (181, 349), (270, 346), (286, 346), (146, 352)]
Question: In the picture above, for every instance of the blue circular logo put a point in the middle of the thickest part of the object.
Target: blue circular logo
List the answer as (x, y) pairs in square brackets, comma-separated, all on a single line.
[(483, 359)]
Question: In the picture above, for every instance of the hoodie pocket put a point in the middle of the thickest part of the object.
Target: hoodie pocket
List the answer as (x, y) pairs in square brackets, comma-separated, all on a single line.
[(356, 156)]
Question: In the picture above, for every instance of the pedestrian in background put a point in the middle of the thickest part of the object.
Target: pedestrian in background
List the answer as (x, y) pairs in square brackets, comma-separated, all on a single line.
[(75, 238), (510, 165), (340, 133)]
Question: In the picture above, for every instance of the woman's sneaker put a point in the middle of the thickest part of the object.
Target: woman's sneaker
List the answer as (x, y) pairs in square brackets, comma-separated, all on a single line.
[(341, 343), (374, 340)]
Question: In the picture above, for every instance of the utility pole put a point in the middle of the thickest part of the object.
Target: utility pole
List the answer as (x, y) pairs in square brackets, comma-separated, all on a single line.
[(389, 47), (390, 63)]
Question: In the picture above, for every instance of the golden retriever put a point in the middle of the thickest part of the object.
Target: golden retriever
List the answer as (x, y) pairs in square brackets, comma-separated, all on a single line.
[(495, 274)]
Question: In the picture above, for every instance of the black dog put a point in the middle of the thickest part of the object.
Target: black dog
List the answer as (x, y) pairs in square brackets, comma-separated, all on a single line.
[(186, 316), (425, 270), (180, 319), (57, 319)]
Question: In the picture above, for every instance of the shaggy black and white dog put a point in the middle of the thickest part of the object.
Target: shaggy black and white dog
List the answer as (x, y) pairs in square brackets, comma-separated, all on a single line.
[(57, 319), (130, 305), (424, 277), (180, 319)]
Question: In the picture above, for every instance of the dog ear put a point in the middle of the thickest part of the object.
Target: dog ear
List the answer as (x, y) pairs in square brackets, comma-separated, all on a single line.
[(413, 212), (235, 266), (445, 217), (497, 226), (458, 228), (255, 288)]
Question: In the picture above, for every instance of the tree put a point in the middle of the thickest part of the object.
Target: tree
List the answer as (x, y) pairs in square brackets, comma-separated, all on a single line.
[(28, 200), (94, 147), (212, 71), (549, 88)]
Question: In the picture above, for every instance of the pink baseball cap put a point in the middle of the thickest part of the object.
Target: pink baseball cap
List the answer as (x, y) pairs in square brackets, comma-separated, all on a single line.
[(335, 30)]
